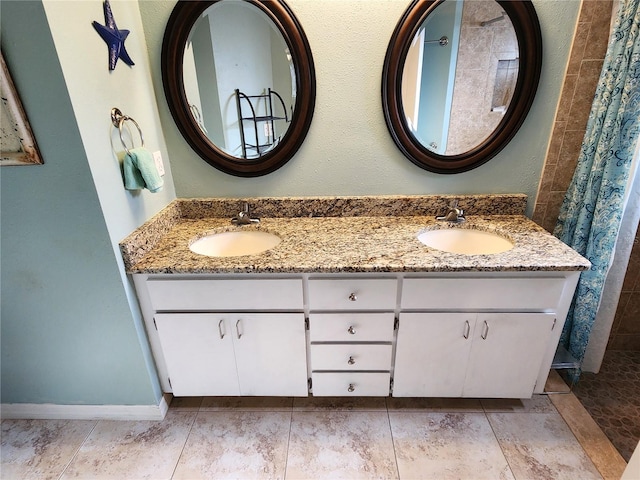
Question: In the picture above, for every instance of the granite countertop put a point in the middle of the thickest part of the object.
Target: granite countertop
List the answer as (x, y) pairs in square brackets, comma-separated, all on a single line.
[(353, 234)]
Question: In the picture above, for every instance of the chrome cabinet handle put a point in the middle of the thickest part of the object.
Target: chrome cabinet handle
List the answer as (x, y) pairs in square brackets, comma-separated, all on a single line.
[(351, 361), (238, 328), (351, 330), (221, 328), (485, 330), (467, 329), (351, 388), (353, 297)]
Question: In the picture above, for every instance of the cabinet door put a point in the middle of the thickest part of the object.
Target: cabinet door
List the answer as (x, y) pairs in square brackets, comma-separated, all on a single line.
[(198, 350), (271, 354), (432, 353), (506, 354)]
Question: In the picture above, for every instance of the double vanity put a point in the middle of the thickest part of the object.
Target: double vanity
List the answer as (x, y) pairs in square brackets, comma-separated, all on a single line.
[(366, 296), (352, 296)]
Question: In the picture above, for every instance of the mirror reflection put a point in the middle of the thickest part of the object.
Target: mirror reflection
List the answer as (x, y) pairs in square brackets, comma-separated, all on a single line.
[(459, 75), (239, 79)]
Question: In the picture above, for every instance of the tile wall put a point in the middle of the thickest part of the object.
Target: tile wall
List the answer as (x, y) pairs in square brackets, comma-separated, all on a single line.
[(585, 63), (481, 49)]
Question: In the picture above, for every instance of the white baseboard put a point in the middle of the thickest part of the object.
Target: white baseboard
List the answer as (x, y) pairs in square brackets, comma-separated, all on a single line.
[(50, 411)]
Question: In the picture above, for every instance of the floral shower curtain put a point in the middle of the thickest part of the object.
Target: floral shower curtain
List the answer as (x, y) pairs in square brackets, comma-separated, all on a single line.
[(592, 209)]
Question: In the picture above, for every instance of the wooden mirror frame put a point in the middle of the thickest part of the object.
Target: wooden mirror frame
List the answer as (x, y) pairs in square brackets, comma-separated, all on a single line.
[(177, 31), (527, 28)]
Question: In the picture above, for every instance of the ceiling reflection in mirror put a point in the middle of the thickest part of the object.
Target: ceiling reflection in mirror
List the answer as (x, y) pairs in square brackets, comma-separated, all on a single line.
[(459, 75), (239, 79)]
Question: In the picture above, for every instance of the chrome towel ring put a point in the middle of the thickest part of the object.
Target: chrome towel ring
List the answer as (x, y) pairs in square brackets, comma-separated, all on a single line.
[(118, 119)]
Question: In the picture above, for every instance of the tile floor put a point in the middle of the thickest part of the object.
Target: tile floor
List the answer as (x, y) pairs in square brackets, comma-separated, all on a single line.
[(306, 438), (612, 398)]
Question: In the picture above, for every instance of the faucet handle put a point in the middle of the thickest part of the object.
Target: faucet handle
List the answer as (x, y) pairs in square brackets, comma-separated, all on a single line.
[(454, 207), (454, 214), (245, 210), (244, 216)]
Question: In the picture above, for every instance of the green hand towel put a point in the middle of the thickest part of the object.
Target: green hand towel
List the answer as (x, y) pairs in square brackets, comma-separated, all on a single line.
[(142, 167), (132, 177)]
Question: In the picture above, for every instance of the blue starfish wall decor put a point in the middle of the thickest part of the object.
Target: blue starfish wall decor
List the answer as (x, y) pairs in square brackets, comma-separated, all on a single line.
[(113, 37)]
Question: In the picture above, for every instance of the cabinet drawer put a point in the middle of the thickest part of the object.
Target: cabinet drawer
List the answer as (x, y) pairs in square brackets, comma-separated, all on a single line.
[(240, 294), (350, 357), (361, 384), (351, 327), (352, 294), (482, 293)]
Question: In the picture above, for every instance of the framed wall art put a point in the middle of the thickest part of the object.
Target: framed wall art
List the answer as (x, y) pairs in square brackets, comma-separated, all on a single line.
[(17, 143)]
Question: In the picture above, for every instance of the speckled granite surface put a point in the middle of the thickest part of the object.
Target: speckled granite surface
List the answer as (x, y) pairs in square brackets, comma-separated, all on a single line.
[(344, 234), (353, 206)]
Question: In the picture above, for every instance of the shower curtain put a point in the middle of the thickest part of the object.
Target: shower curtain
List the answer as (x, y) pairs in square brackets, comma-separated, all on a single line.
[(592, 209)]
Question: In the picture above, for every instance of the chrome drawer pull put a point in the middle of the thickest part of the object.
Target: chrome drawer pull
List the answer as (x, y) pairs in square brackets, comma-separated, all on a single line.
[(220, 328), (467, 328), (351, 388), (238, 328), (485, 331), (351, 330), (351, 361), (353, 297)]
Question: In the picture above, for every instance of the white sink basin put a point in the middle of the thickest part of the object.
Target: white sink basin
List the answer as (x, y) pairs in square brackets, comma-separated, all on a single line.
[(465, 241), (235, 244)]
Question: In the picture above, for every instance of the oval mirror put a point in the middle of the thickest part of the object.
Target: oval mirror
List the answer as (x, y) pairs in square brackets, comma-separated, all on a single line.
[(239, 81), (459, 78)]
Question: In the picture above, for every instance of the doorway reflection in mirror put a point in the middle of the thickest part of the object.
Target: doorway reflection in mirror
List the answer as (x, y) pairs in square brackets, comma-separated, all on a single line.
[(455, 95)]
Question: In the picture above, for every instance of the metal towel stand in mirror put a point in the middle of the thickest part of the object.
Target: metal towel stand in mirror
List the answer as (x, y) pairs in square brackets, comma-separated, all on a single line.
[(239, 81)]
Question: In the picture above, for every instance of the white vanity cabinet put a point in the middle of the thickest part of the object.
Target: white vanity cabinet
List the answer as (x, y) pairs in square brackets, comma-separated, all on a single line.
[(452, 334), (351, 328), (230, 336), (470, 354), (234, 354), (477, 337)]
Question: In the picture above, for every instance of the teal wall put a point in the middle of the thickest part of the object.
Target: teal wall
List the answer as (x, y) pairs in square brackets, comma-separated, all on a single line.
[(68, 332)]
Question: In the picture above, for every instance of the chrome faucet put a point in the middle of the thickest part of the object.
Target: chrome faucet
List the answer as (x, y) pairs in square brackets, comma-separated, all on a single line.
[(244, 217), (453, 215)]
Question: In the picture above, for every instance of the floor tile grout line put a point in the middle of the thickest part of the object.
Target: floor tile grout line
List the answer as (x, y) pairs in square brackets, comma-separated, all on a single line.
[(393, 443), (75, 454), (506, 458), (184, 445), (286, 457)]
